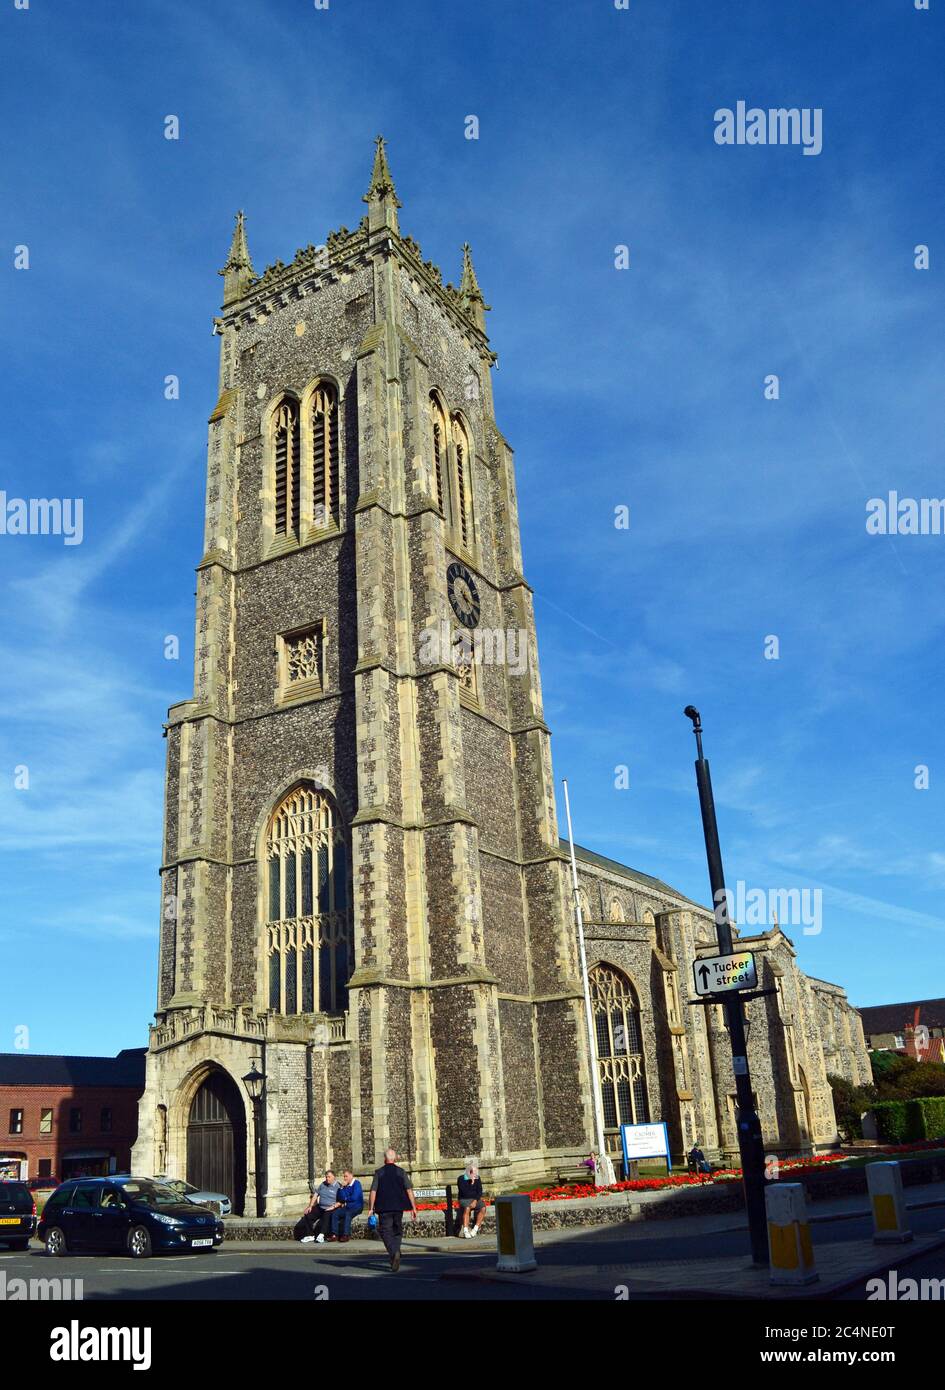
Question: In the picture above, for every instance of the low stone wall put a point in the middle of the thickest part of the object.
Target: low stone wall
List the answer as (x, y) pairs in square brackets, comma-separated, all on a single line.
[(821, 1183), (610, 1209), (430, 1226), (613, 1208)]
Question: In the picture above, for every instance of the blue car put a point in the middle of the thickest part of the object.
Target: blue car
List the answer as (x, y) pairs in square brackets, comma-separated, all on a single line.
[(133, 1216), (17, 1214)]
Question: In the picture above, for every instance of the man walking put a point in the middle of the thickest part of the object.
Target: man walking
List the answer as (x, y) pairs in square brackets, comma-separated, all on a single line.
[(391, 1196)]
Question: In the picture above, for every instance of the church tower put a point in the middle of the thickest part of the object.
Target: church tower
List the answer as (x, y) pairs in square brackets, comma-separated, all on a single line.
[(364, 899)]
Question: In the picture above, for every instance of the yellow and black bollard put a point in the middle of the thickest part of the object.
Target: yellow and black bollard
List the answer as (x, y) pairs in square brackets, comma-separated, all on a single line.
[(513, 1219), (792, 1254), (890, 1218)]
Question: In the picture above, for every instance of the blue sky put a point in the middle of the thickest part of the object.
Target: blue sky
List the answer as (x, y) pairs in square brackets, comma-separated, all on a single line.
[(641, 387)]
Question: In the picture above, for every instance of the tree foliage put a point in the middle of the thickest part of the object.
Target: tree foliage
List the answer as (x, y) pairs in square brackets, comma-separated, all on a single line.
[(849, 1103), (899, 1077)]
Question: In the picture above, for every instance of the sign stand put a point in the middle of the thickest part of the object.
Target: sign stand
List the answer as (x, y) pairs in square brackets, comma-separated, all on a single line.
[(748, 1125), (644, 1141)]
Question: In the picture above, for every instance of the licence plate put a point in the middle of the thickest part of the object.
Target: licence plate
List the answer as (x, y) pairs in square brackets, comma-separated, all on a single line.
[(196, 1243), (9, 1221)]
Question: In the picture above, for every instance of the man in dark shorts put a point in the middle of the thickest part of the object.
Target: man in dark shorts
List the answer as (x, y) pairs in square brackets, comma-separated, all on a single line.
[(391, 1196), (471, 1204)]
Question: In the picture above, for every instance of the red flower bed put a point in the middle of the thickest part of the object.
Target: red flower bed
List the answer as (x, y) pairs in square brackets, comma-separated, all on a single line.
[(567, 1191), (917, 1146), (564, 1191)]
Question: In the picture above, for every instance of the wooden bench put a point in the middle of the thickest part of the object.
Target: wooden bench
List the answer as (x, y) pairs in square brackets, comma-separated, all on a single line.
[(579, 1172), (694, 1171)]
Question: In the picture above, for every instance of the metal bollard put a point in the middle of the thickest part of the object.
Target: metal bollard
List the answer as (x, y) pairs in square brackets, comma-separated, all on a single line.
[(792, 1254), (890, 1217), (516, 1249)]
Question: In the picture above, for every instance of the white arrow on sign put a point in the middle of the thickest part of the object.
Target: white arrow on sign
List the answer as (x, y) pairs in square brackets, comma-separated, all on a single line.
[(722, 974)]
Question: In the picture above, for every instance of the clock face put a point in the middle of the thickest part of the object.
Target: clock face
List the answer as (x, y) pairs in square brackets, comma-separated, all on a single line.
[(463, 594)]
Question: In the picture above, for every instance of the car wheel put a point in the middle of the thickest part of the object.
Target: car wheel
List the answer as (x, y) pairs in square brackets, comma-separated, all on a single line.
[(139, 1242), (56, 1241)]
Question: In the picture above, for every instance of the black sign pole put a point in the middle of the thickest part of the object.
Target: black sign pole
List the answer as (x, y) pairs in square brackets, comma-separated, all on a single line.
[(750, 1141)]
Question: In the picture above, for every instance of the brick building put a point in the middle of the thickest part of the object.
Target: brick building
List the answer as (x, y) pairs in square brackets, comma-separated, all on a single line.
[(364, 896), (65, 1117), (916, 1028)]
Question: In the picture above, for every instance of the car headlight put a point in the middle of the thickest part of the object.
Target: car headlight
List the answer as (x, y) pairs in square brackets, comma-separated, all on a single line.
[(166, 1220)]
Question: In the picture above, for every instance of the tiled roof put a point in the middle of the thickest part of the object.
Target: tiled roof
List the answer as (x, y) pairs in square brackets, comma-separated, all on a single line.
[(41, 1069), (896, 1018), (587, 856)]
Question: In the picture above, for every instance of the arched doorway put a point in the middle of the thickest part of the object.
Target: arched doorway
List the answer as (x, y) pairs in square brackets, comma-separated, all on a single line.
[(216, 1139)]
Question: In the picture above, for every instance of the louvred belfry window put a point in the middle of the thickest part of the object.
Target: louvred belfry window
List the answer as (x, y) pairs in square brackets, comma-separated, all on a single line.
[(309, 940), (463, 473), (439, 452), (288, 477), (461, 493), (325, 474)]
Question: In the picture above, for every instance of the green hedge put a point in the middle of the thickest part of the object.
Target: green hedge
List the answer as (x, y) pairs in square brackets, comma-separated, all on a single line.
[(933, 1110), (905, 1121)]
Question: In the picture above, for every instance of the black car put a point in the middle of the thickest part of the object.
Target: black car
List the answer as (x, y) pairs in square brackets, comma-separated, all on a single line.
[(136, 1216), (17, 1214)]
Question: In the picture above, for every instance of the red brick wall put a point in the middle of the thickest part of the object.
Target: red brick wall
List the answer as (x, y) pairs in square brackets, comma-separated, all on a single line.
[(56, 1146)]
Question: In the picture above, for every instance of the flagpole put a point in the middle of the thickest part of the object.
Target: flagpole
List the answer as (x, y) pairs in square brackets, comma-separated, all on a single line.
[(605, 1163)]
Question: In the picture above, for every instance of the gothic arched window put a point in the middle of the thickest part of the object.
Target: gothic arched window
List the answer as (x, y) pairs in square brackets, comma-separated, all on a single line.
[(440, 442), (308, 932), (285, 453), (324, 422), (619, 1040), (463, 474)]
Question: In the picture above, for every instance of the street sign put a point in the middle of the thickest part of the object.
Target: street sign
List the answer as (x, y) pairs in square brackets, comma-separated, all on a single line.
[(722, 974)]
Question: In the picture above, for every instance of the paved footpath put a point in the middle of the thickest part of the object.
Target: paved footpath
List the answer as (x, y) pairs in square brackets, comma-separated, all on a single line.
[(695, 1257), (690, 1257), (614, 1205)]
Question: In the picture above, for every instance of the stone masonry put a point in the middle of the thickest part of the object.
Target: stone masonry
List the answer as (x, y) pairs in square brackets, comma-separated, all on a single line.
[(463, 1031)]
